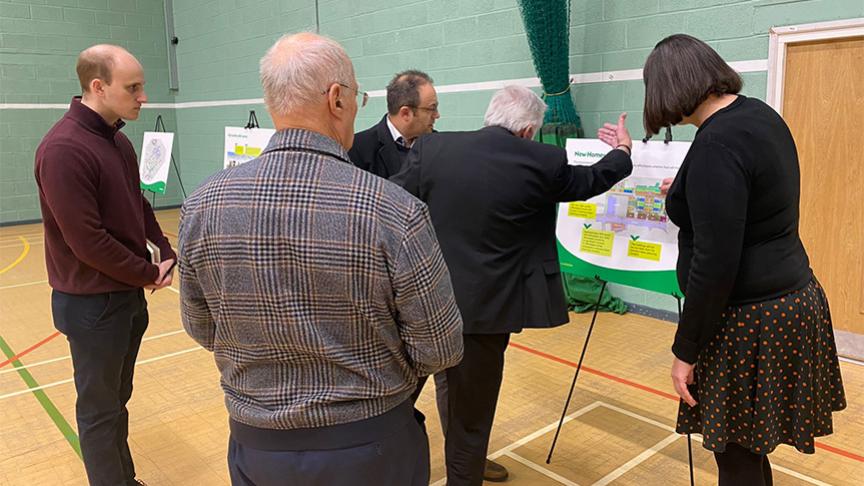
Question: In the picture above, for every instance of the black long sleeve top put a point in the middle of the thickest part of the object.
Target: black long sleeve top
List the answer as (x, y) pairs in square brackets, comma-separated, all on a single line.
[(735, 199)]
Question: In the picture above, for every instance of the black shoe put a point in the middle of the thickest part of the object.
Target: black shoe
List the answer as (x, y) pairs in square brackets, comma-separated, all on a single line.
[(494, 472)]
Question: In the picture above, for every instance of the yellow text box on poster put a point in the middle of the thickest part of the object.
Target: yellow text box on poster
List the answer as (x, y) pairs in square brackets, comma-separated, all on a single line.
[(644, 250), (597, 242), (582, 210)]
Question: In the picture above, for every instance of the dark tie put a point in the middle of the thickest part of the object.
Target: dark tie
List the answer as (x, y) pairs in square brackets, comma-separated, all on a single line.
[(402, 145)]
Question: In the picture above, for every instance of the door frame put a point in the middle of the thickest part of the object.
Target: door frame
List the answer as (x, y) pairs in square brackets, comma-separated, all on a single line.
[(849, 344), (780, 37)]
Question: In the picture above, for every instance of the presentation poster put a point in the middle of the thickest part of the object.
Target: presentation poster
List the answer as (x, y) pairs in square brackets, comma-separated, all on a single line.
[(244, 144), (155, 161), (624, 235)]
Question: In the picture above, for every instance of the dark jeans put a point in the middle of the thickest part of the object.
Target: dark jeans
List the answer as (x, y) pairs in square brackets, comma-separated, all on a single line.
[(388, 450), (471, 394), (738, 466), (104, 333)]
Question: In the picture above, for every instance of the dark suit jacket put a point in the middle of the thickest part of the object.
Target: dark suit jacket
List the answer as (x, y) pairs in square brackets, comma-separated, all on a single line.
[(375, 151), (492, 197)]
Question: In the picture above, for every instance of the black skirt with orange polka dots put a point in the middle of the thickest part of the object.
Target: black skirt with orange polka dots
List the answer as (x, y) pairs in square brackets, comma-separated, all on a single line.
[(771, 376)]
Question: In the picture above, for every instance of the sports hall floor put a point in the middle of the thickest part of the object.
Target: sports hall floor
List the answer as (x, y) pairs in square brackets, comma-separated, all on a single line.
[(619, 429)]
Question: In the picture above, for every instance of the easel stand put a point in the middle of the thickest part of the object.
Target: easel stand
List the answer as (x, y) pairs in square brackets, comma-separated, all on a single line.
[(160, 127), (576, 376)]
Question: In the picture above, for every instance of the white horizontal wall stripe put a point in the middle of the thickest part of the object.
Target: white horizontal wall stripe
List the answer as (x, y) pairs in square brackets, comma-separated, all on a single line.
[(755, 65)]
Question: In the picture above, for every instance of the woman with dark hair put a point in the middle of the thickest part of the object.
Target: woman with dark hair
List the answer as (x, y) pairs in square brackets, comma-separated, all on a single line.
[(755, 361)]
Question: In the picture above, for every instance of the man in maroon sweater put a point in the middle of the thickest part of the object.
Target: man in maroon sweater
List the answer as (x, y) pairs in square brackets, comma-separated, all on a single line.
[(96, 226)]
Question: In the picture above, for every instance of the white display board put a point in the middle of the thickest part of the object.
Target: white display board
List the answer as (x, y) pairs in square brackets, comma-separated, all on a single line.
[(155, 161), (626, 229), (244, 144)]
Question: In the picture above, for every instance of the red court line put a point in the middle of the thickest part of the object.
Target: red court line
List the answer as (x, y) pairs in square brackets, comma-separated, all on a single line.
[(595, 372), (31, 348), (551, 357)]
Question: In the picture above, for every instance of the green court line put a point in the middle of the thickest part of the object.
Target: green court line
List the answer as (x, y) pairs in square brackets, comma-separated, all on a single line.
[(61, 423)]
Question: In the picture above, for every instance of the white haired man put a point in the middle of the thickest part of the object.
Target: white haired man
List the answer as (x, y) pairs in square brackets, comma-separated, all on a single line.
[(492, 194), (320, 289)]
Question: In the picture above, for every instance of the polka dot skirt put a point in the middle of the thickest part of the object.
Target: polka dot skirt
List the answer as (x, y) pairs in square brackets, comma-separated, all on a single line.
[(770, 377)]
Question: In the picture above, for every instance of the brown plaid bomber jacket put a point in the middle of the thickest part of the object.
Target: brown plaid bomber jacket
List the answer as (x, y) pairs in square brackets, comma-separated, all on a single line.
[(319, 288)]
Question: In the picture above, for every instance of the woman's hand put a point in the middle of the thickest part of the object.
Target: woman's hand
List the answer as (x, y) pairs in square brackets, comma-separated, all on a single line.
[(616, 135), (682, 375)]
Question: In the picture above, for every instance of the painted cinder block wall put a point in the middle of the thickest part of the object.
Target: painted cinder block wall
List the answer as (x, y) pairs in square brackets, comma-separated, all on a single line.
[(456, 41)]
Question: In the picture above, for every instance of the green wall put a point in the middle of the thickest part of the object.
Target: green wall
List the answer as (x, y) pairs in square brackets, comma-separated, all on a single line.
[(39, 42), (456, 41)]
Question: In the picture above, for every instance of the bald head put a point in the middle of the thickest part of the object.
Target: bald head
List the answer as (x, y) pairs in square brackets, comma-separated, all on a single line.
[(112, 82), (98, 62), (299, 68)]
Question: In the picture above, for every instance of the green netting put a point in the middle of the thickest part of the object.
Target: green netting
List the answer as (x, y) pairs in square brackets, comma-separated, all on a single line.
[(582, 294), (547, 23)]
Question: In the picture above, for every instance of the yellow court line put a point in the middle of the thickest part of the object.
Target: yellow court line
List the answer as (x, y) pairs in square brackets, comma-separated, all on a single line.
[(20, 257)]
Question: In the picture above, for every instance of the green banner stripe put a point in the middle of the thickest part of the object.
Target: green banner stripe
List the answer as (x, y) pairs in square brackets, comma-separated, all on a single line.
[(158, 186), (61, 423), (664, 282)]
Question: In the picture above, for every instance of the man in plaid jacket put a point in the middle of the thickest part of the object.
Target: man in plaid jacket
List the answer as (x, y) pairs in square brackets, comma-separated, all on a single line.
[(319, 288)]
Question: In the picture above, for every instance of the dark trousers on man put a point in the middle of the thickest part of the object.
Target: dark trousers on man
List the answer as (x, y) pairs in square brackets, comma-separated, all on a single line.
[(104, 333), (391, 449), (472, 389)]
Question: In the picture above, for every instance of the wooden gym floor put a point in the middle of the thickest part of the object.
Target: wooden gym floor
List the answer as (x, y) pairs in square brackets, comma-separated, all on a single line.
[(619, 429)]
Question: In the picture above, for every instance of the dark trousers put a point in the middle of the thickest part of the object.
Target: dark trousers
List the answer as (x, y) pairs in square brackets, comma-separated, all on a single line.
[(440, 396), (738, 466), (389, 450), (104, 333), (471, 392)]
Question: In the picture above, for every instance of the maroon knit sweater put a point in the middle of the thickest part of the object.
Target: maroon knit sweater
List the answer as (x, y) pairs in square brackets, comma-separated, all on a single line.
[(95, 217)]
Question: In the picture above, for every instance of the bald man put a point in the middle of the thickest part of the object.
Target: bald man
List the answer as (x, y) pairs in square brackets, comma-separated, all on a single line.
[(96, 224)]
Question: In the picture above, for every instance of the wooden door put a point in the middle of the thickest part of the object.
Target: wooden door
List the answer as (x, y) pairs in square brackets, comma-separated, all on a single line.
[(823, 103)]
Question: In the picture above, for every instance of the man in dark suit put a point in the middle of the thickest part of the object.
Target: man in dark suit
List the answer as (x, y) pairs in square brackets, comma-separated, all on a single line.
[(412, 108), (492, 194)]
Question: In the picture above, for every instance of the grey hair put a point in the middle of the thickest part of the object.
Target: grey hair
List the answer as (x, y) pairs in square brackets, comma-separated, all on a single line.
[(515, 108), (299, 68)]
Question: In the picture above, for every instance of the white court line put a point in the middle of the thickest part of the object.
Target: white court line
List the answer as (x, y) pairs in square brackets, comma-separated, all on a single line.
[(69, 380), (528, 438), (35, 388), (796, 474), (8, 244), (542, 470), (851, 361), (170, 355), (23, 285), (40, 363), (13, 238), (639, 417), (54, 360), (508, 450), (697, 438), (627, 466)]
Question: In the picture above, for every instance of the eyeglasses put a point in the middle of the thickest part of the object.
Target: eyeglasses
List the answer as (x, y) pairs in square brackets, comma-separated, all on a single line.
[(432, 109), (362, 96)]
